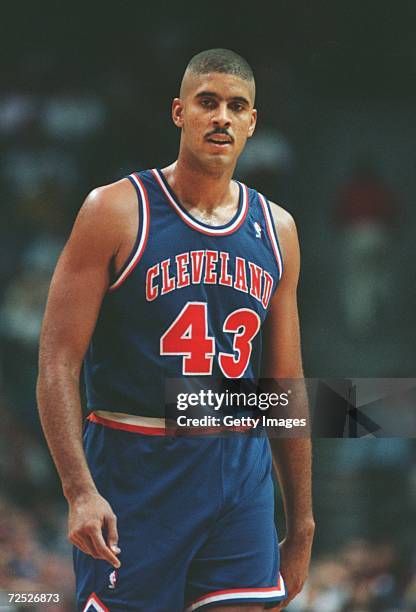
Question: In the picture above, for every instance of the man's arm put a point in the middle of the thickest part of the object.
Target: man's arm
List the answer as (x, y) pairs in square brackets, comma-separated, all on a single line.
[(77, 289), (291, 456)]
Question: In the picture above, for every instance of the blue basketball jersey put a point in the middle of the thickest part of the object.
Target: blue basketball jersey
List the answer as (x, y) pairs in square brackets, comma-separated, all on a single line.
[(189, 301)]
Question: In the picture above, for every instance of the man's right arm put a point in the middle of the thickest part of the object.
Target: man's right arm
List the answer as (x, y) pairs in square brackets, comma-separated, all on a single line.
[(78, 286)]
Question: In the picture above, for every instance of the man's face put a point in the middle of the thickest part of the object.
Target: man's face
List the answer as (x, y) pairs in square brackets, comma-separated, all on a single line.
[(216, 115)]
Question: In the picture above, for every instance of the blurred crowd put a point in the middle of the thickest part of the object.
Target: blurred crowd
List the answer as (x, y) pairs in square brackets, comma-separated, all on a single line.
[(359, 577), (34, 553), (33, 556)]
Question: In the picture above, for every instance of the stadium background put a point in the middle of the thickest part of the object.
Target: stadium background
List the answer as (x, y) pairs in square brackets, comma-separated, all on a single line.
[(85, 98)]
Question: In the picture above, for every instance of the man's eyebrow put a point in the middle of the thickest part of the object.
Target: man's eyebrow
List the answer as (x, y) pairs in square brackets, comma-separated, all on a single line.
[(207, 94), (212, 94), (240, 99)]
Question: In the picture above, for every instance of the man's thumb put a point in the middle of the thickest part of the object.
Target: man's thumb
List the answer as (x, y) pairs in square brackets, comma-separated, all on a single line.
[(112, 537)]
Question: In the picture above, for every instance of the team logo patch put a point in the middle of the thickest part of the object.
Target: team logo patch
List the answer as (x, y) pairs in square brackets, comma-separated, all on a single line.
[(257, 229), (112, 579)]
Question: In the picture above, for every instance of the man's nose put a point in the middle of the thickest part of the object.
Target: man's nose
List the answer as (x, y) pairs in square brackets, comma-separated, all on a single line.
[(222, 116)]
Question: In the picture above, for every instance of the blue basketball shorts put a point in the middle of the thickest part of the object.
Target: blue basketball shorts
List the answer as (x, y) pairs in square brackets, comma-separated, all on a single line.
[(195, 516)]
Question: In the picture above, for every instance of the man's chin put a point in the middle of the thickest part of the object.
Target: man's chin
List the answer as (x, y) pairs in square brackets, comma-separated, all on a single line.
[(220, 158)]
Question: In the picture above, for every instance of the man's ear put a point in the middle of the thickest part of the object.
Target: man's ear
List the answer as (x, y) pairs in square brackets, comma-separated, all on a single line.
[(253, 123), (177, 112)]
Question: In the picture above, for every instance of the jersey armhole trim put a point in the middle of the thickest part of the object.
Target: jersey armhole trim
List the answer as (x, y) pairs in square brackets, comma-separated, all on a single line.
[(271, 231), (142, 232)]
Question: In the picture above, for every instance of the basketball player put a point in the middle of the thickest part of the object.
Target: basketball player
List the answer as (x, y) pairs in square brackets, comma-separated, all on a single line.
[(171, 273)]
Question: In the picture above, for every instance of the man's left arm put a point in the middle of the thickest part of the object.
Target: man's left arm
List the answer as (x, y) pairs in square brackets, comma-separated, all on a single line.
[(291, 455)]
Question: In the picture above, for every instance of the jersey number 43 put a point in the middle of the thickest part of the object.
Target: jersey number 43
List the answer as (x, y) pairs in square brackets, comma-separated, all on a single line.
[(188, 336)]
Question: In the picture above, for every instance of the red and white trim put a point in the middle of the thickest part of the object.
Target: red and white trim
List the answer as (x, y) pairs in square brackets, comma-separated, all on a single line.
[(151, 426), (193, 223), (263, 594), (94, 603), (129, 422), (144, 223), (271, 230)]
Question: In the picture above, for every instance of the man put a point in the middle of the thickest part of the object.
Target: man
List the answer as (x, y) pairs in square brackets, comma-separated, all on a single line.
[(177, 286)]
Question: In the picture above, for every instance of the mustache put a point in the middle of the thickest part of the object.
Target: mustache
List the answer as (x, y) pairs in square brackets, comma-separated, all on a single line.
[(219, 130)]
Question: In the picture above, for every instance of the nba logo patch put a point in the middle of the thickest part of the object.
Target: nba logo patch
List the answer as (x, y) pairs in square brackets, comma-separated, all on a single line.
[(112, 579), (257, 229)]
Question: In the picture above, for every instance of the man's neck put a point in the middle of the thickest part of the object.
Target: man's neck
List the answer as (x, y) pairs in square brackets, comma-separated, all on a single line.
[(198, 188)]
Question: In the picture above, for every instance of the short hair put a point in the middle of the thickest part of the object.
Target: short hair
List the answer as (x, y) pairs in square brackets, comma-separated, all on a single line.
[(221, 60)]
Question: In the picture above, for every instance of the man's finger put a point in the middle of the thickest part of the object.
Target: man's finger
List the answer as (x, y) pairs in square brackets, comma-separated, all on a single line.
[(103, 551), (85, 544), (112, 534), (78, 542), (91, 544)]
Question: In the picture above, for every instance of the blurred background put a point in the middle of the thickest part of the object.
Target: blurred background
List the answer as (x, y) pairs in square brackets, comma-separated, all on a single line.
[(85, 98)]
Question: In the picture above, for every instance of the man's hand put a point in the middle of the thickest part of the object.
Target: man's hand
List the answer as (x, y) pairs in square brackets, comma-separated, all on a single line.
[(295, 556), (89, 516)]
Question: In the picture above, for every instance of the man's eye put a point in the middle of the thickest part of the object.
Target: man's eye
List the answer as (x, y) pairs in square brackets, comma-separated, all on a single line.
[(207, 103), (237, 107)]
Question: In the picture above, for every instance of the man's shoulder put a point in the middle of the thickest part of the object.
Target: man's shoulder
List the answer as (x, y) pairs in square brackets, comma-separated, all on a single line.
[(112, 195), (111, 203), (108, 213), (286, 230), (283, 220)]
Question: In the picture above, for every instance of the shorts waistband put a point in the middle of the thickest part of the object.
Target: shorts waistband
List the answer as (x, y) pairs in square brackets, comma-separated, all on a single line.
[(129, 422), (152, 426)]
